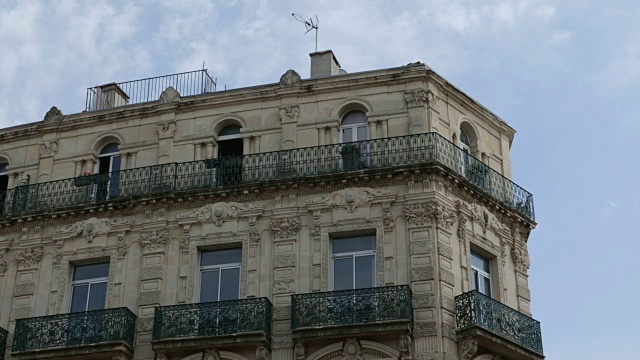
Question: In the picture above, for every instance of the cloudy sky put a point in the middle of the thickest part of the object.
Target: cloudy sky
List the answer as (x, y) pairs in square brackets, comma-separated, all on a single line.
[(564, 73)]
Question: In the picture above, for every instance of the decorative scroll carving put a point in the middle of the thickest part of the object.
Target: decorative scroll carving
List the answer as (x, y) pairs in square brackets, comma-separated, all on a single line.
[(415, 97), (212, 354), (283, 287), (462, 228), (350, 198), (467, 349), (186, 238), (284, 228), (254, 234), (405, 347), (59, 252), (90, 228), (49, 148), (290, 78), (299, 351), (53, 115), (262, 353), (122, 245), (29, 257), (5, 246), (316, 231), (289, 113), (166, 130), (155, 240), (520, 259), (169, 95), (351, 349), (421, 214), (487, 220), (387, 219), (219, 212)]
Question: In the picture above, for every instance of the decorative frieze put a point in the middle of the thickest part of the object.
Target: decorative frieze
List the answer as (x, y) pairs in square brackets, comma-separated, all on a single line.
[(351, 198), (154, 240), (421, 214), (29, 257), (284, 228), (90, 228), (219, 212)]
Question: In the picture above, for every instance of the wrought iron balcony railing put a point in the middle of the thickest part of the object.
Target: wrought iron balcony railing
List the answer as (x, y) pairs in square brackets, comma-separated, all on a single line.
[(212, 319), (476, 309), (3, 342), (138, 91), (351, 307), (75, 329), (291, 164)]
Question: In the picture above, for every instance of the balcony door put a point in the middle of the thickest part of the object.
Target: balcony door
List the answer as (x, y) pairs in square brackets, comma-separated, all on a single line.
[(88, 293), (228, 166), (108, 170), (219, 282), (354, 127)]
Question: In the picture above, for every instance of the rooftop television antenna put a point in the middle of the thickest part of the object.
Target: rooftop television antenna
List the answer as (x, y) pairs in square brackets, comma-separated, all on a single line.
[(309, 25)]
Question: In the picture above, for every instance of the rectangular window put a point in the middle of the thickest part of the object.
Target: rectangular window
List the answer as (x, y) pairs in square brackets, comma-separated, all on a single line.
[(89, 287), (481, 273), (220, 275), (353, 261)]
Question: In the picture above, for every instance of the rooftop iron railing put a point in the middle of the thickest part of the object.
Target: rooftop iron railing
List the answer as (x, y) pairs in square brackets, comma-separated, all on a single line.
[(212, 319), (294, 164), (476, 309), (351, 307), (138, 91), (75, 329), (3, 342)]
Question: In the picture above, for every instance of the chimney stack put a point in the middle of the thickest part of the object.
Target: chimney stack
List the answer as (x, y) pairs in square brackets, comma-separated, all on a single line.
[(324, 64)]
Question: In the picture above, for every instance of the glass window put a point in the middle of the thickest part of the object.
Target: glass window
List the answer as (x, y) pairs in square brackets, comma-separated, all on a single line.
[(354, 261), (230, 130), (464, 139), (3, 168), (110, 148), (89, 287), (481, 273), (220, 275), (354, 126)]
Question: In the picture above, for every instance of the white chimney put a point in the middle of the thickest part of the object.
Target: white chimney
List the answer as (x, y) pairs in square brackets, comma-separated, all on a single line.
[(324, 64)]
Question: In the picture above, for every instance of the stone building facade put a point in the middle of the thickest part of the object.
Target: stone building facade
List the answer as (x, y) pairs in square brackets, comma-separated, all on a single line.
[(345, 216)]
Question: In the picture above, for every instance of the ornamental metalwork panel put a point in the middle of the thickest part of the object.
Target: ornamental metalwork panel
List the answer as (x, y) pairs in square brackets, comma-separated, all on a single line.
[(176, 178), (3, 342), (212, 319), (351, 307), (75, 329), (476, 309)]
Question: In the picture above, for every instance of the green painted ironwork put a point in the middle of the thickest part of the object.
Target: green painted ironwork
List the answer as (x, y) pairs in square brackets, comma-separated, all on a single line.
[(302, 163), (476, 309), (212, 319), (351, 307), (75, 329), (3, 342)]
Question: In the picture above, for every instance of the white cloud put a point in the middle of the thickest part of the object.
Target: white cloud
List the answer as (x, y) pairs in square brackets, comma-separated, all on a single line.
[(560, 37)]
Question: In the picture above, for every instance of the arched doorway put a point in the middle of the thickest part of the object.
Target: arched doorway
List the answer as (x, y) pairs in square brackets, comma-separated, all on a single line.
[(228, 164)]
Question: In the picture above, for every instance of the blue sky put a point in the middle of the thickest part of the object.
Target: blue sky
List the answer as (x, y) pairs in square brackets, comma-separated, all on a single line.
[(565, 74)]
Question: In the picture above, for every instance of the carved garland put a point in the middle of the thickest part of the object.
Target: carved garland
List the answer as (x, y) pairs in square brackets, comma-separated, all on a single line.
[(155, 240), (284, 228), (421, 214)]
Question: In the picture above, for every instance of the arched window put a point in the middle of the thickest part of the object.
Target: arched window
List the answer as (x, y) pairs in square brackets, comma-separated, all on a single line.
[(230, 150), (465, 143), (229, 141), (354, 126), (108, 168)]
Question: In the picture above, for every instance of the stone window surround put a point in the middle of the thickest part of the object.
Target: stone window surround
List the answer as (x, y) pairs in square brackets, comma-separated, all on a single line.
[(493, 254)]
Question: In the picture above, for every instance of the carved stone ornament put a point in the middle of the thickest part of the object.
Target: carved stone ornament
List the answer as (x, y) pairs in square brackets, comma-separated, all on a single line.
[(262, 353), (487, 220), (289, 113), (122, 245), (283, 287), (219, 212), (169, 95), (155, 240), (3, 264), (351, 349), (48, 149), (467, 349), (387, 219), (284, 228), (59, 252), (290, 78), (29, 257), (316, 231), (462, 228), (89, 228), (520, 259), (211, 354), (350, 198), (254, 234), (299, 351), (415, 97), (421, 214), (5, 246), (166, 130), (405, 347), (53, 115)]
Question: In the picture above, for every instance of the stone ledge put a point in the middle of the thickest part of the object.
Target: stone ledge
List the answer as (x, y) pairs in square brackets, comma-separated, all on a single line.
[(191, 344), (93, 351), (395, 326), (492, 342)]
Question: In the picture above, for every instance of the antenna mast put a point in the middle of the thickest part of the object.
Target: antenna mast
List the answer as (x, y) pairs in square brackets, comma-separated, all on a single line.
[(309, 25)]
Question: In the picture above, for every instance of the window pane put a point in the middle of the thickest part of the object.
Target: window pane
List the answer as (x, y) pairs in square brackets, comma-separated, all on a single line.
[(347, 135), (352, 244), (487, 286), (230, 130), (354, 117), (363, 133), (365, 270), (97, 296), (230, 284), (79, 298), (474, 280), (93, 271), (219, 257), (115, 163), (110, 148), (209, 285), (480, 262), (343, 273)]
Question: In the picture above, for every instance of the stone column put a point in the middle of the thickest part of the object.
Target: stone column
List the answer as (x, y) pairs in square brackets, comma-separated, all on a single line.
[(321, 135), (416, 100), (373, 131), (90, 165), (125, 161), (77, 170), (132, 164), (197, 151), (256, 145), (246, 145), (209, 150), (335, 139)]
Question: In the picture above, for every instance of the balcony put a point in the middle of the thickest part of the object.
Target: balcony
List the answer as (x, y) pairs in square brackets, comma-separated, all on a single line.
[(371, 310), (204, 325), (112, 95), (3, 342), (379, 156), (101, 333), (497, 327)]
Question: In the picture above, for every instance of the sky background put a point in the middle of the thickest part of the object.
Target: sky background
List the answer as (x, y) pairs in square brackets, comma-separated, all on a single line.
[(565, 74)]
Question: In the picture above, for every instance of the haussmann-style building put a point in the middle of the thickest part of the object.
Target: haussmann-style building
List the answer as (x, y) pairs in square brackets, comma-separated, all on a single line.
[(348, 216)]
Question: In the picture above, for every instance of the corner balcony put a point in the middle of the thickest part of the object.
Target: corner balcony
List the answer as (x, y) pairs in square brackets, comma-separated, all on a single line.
[(360, 311), (99, 334), (3, 342), (371, 158), (497, 327), (190, 327)]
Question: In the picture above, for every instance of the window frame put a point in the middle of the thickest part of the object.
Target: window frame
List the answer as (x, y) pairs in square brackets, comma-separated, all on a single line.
[(219, 267), (354, 128), (353, 255), (89, 282), (481, 273)]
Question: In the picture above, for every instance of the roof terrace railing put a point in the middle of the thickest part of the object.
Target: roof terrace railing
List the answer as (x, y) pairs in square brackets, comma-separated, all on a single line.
[(294, 164), (139, 91)]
